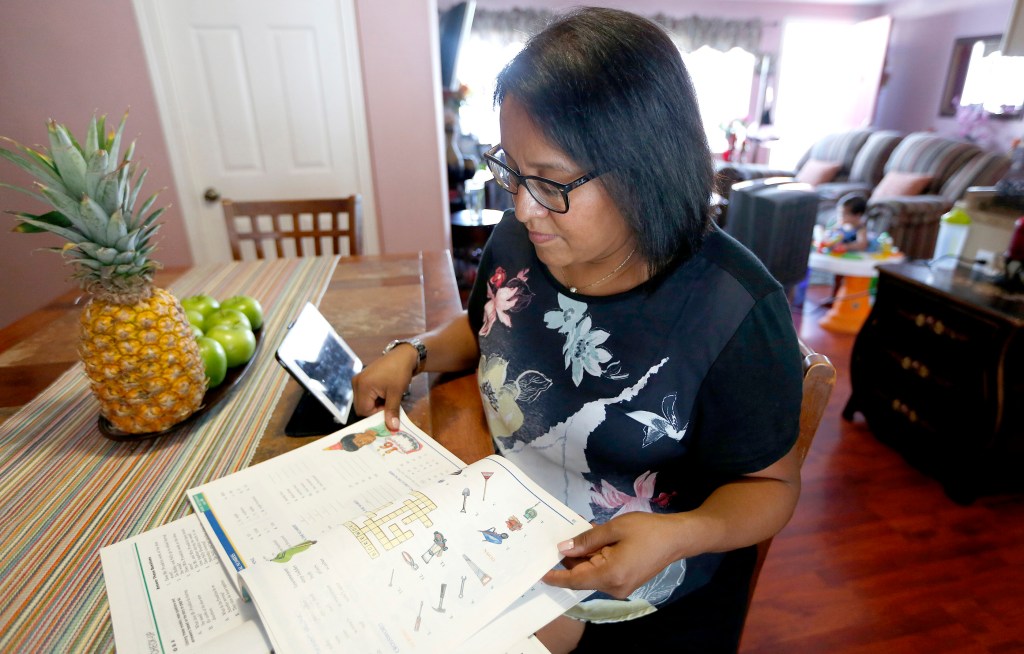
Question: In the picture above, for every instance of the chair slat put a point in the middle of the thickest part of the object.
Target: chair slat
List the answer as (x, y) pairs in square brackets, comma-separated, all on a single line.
[(243, 218)]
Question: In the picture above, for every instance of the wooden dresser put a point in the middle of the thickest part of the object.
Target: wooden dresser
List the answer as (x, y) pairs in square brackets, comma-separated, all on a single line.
[(938, 372)]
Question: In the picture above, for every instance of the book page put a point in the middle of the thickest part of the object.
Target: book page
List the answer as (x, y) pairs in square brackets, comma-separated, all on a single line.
[(155, 610), (535, 608), (422, 573), (265, 511), (168, 592)]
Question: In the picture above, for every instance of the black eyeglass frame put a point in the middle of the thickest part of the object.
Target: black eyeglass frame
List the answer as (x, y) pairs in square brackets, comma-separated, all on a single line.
[(563, 189)]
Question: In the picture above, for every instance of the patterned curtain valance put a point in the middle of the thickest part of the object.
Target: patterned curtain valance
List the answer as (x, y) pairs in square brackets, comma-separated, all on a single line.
[(509, 26), (721, 34), (689, 34)]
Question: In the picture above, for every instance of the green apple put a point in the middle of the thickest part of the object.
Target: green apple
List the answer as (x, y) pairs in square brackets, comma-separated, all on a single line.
[(248, 305), (204, 304), (229, 317), (196, 331), (239, 342), (215, 359), (196, 318)]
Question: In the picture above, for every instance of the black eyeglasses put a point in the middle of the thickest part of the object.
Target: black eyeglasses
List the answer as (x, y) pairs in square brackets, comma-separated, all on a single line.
[(549, 193)]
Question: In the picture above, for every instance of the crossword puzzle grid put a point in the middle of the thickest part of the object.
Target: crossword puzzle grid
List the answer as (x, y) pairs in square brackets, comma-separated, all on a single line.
[(412, 510)]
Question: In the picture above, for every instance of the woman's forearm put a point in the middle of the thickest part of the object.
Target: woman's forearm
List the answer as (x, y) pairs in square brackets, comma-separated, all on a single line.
[(451, 347), (746, 511)]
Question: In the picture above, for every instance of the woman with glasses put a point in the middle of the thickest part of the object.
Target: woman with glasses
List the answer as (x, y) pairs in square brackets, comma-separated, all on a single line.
[(633, 359)]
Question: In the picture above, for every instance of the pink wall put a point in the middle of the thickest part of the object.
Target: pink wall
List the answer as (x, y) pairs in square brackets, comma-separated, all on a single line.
[(56, 60), (919, 51), (401, 80), (65, 60)]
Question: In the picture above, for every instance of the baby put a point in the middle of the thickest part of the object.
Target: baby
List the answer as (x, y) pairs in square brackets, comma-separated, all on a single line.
[(851, 223)]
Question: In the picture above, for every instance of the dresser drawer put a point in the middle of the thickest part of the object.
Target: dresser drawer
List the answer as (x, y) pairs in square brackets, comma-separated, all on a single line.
[(894, 421), (948, 410), (936, 371), (935, 325)]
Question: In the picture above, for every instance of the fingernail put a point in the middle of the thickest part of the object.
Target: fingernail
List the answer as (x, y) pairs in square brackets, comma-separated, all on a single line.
[(393, 424), (565, 545)]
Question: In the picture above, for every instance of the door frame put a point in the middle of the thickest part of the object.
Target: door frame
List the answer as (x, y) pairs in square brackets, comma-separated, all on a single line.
[(189, 186)]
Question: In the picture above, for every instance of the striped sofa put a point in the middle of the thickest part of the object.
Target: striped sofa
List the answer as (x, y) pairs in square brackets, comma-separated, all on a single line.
[(913, 221), (861, 153), (840, 148), (866, 169)]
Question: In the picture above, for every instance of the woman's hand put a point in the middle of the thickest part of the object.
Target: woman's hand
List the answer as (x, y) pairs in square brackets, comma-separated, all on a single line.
[(627, 551), (621, 555), (382, 384)]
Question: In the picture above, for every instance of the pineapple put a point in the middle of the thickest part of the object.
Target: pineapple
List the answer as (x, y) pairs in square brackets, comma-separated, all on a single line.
[(136, 343)]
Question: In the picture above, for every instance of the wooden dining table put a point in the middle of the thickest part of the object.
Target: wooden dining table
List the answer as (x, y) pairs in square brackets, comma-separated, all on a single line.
[(55, 601)]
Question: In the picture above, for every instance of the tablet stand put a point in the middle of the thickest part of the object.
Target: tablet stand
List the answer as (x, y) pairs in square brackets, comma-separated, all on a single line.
[(310, 418)]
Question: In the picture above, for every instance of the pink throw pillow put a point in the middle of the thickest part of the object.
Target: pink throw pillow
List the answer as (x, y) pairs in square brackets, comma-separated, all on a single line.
[(896, 184), (816, 172)]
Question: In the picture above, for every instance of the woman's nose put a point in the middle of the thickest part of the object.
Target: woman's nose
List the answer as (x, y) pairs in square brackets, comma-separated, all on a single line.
[(526, 206)]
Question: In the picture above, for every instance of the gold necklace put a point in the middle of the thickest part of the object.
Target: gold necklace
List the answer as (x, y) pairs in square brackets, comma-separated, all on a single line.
[(573, 289)]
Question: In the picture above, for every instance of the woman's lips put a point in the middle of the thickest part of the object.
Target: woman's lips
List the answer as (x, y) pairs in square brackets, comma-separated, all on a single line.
[(538, 238)]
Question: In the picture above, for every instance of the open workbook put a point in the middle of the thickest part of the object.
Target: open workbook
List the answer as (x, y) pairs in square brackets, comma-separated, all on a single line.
[(365, 540)]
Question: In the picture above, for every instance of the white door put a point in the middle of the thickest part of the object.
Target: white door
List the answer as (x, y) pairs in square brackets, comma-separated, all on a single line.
[(869, 44), (829, 78), (259, 99)]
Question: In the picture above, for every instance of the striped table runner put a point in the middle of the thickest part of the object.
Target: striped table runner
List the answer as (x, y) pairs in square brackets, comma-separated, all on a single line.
[(66, 491)]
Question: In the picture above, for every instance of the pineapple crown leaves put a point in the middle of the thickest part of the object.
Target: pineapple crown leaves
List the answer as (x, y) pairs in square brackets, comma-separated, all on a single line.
[(93, 191)]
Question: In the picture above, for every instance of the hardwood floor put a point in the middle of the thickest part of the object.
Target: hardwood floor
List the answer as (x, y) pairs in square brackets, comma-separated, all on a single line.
[(876, 557)]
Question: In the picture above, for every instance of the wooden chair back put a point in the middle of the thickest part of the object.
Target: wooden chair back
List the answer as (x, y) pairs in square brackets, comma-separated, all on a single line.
[(294, 227), (819, 379)]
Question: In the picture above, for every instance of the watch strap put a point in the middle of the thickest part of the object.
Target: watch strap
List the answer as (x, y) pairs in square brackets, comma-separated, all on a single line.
[(421, 350)]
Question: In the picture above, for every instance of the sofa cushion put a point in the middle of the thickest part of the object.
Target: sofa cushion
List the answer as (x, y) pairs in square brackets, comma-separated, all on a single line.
[(869, 164), (984, 170), (931, 154), (898, 184), (816, 172), (841, 147)]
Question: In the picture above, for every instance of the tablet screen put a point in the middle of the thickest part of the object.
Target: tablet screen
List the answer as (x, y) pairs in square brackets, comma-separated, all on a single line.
[(320, 360)]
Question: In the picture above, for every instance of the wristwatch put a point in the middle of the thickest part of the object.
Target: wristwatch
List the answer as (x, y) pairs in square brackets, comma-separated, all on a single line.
[(421, 350)]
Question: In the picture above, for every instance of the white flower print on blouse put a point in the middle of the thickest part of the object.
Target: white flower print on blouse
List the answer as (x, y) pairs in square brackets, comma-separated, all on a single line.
[(660, 588), (582, 343), (570, 314), (657, 426)]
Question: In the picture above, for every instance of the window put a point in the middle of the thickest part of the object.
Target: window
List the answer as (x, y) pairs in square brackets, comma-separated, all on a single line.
[(479, 64), (979, 76), (723, 81), (829, 75)]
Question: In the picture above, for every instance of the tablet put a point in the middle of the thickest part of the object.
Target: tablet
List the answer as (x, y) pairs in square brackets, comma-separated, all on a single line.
[(321, 361)]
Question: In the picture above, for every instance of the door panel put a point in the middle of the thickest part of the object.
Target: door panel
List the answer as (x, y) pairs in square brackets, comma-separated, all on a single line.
[(260, 100)]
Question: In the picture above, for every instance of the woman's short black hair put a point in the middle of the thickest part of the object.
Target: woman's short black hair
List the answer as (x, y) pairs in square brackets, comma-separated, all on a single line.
[(609, 88)]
